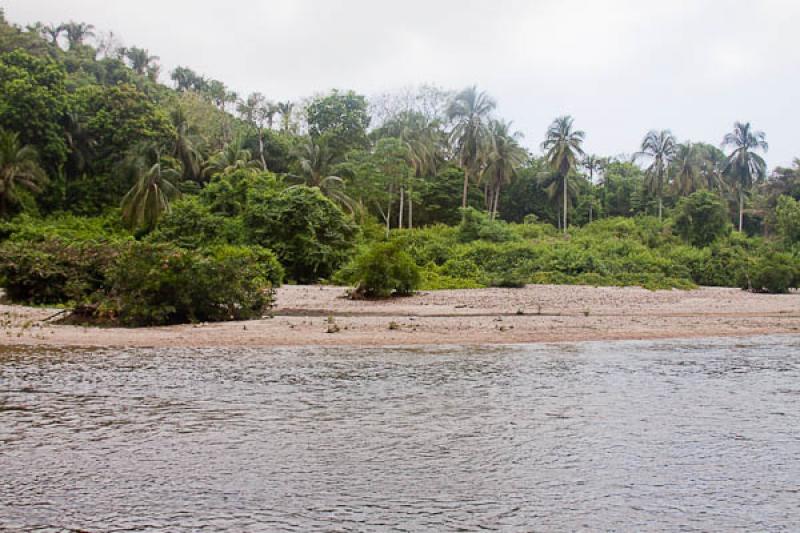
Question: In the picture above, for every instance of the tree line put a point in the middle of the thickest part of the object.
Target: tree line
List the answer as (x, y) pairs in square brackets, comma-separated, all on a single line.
[(87, 127)]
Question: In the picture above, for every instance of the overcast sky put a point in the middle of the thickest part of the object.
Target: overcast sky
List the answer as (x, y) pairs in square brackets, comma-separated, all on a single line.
[(620, 67)]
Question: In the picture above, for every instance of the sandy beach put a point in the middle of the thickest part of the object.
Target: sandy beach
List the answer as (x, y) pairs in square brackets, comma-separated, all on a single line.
[(537, 313)]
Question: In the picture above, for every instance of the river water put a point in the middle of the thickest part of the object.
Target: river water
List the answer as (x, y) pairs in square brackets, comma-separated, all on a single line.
[(669, 435)]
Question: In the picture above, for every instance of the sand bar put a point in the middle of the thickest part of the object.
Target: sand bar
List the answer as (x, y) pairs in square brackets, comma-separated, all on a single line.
[(537, 313)]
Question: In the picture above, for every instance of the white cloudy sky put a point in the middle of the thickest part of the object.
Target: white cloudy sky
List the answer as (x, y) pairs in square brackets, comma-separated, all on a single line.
[(620, 67)]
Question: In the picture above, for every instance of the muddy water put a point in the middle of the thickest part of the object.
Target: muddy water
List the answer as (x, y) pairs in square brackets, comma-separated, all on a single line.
[(679, 435)]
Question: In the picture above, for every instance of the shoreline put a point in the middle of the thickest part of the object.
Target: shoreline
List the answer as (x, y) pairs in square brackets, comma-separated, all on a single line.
[(535, 314)]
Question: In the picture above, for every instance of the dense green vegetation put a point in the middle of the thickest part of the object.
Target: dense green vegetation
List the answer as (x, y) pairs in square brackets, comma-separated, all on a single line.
[(140, 203)]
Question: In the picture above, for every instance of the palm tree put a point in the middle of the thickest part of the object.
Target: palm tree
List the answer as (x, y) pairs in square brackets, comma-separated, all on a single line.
[(257, 111), (686, 177), (744, 166), (505, 157), (594, 165), (186, 79), (150, 196), (19, 169), (562, 146), (659, 147), (712, 164), (316, 161), (141, 61), (470, 138), (554, 185), (80, 142), (285, 110), (232, 157), (76, 33), (422, 140), (184, 149)]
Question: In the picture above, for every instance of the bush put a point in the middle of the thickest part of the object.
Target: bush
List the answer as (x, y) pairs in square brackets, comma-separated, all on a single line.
[(311, 236), (191, 224), (774, 273), (66, 227), (53, 270), (383, 269), (788, 214), (701, 218), (476, 225), (154, 284)]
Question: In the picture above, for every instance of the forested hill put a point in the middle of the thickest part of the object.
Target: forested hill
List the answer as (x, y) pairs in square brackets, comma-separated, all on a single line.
[(102, 165)]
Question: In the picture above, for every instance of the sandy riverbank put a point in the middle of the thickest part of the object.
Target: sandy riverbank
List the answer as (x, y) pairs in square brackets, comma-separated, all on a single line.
[(537, 313)]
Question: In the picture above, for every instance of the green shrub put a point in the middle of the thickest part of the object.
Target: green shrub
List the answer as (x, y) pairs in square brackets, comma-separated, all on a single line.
[(66, 227), (774, 272), (701, 218), (432, 279), (53, 270), (383, 269), (191, 224), (311, 236), (154, 284), (788, 215), (476, 225)]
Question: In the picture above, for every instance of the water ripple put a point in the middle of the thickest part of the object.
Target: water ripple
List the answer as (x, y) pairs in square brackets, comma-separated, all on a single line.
[(689, 436)]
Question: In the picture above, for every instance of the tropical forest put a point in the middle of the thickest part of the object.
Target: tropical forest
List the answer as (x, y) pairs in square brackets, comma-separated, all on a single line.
[(137, 197)]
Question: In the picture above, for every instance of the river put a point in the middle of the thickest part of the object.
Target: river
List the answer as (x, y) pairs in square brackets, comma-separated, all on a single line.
[(671, 435)]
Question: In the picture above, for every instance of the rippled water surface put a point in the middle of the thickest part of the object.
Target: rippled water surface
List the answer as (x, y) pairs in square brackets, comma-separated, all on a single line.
[(689, 435)]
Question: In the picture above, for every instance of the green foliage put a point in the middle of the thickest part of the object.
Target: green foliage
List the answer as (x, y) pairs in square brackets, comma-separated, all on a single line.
[(701, 218), (773, 272), (66, 227), (153, 284), (33, 102), (119, 118), (227, 193), (341, 118), (54, 270), (191, 223), (381, 270), (311, 236), (788, 216), (476, 225)]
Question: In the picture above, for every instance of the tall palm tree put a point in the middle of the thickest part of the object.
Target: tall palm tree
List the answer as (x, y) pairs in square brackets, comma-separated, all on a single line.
[(285, 110), (554, 186), (140, 60), (470, 138), (744, 166), (76, 33), (505, 157), (594, 165), (659, 147), (562, 146), (184, 148), (150, 196), (19, 170), (423, 142), (685, 167), (712, 162), (257, 111), (316, 160)]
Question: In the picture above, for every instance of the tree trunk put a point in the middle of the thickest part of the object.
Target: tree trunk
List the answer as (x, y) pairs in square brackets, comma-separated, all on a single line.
[(660, 207), (741, 210), (590, 211), (400, 211), (261, 149), (410, 209), (466, 185), (496, 201), (565, 204)]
